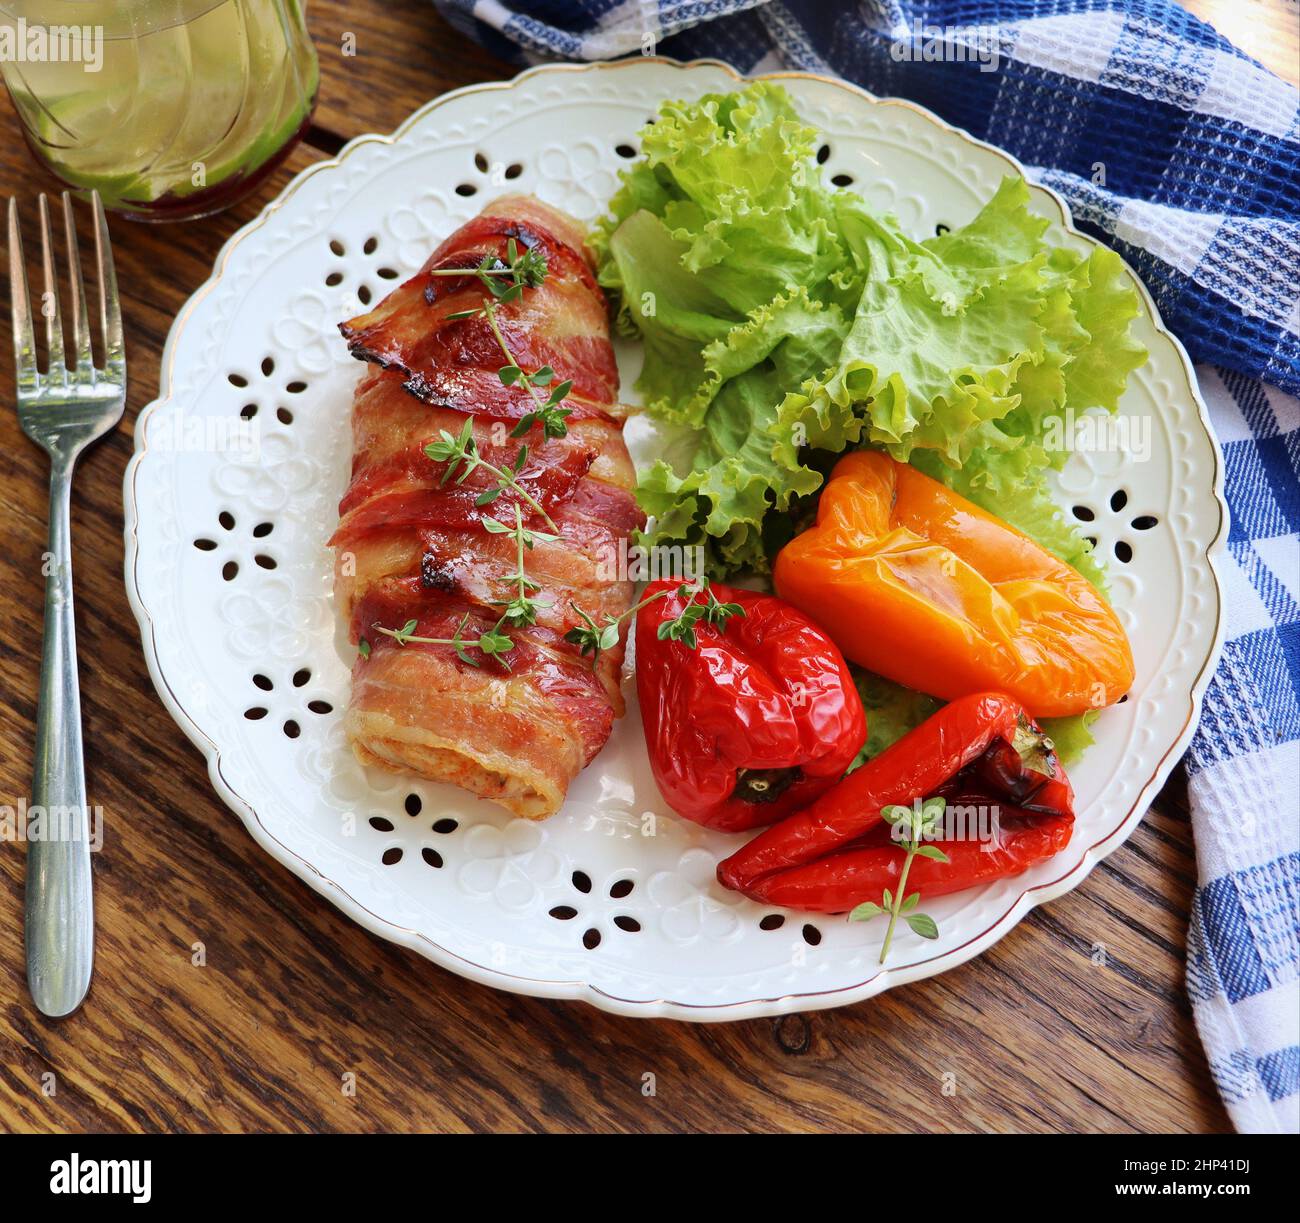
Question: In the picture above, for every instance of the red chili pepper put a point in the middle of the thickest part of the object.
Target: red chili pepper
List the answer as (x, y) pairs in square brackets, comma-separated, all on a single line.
[(980, 750), (756, 721), (840, 882)]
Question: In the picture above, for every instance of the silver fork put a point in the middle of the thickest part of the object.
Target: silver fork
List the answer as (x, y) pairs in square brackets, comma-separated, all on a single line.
[(62, 410)]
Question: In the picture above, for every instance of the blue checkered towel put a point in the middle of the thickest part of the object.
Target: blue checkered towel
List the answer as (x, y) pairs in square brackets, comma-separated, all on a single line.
[(1244, 770), (1183, 154)]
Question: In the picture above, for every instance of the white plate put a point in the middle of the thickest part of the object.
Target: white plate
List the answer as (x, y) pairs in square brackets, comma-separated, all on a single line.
[(267, 319)]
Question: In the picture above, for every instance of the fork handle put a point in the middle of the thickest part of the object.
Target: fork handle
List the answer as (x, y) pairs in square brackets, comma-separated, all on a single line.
[(60, 920)]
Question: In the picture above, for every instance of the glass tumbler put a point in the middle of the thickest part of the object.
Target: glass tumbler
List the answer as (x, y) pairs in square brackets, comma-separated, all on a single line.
[(170, 109)]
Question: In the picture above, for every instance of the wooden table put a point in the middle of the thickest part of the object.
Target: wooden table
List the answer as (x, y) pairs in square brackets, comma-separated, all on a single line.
[(1078, 1020)]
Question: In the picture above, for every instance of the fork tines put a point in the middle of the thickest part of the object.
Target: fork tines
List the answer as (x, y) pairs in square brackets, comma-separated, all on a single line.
[(83, 369)]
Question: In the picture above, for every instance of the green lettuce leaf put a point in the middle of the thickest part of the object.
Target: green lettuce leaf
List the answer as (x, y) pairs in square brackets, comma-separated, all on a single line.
[(892, 711), (732, 178), (1070, 736), (722, 502), (784, 322)]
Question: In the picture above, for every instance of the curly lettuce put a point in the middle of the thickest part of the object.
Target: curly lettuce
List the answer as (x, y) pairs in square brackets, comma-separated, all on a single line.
[(783, 322), (727, 255)]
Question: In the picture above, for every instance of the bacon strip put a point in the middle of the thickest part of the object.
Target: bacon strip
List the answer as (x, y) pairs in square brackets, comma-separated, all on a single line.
[(410, 544), (453, 363)]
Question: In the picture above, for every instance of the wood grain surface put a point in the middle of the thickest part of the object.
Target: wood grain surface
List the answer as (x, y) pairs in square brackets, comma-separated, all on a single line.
[(1077, 1021)]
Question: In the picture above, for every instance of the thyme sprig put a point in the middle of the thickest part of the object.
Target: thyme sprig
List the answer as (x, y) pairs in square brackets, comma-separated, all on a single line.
[(548, 413), (522, 608), (461, 454), (592, 638), (491, 642), (682, 628), (525, 269), (910, 828)]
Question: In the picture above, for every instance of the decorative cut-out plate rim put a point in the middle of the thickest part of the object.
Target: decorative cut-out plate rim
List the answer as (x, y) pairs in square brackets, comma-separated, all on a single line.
[(881, 978)]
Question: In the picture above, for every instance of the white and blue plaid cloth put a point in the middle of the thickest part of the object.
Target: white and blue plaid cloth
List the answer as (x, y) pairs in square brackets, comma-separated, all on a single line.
[(1183, 154)]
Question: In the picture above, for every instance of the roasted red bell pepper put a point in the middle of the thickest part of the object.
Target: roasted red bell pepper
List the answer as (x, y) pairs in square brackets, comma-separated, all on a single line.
[(756, 720), (981, 752)]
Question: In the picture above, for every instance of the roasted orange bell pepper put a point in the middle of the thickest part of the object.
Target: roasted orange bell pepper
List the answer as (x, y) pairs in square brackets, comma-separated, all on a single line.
[(918, 584)]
